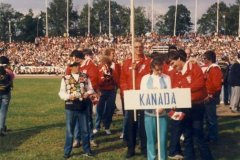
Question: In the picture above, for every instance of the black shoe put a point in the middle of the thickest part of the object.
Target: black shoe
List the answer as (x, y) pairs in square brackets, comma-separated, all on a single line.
[(130, 154), (66, 156), (2, 133), (89, 154), (144, 153)]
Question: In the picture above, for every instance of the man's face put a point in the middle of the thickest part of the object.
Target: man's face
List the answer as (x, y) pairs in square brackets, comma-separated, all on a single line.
[(138, 48), (176, 64)]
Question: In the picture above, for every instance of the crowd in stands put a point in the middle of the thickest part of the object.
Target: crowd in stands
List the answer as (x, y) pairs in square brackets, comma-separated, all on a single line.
[(51, 56)]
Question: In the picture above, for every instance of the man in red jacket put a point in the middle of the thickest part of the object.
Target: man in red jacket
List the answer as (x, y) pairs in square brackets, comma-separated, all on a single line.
[(213, 80), (191, 76), (141, 65)]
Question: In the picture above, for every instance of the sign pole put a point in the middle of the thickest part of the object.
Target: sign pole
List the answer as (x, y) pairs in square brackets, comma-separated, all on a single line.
[(158, 136), (133, 56)]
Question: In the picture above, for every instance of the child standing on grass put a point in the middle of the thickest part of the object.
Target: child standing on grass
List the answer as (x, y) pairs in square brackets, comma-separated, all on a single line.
[(75, 89)]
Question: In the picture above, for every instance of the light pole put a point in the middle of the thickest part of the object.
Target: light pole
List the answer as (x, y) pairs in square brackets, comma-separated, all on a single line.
[(224, 23), (38, 24), (175, 19), (9, 31)]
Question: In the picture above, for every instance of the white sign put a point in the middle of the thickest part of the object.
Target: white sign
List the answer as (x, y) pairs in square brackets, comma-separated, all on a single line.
[(157, 98)]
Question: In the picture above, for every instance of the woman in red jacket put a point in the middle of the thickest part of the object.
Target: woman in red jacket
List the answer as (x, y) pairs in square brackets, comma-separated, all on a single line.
[(108, 83)]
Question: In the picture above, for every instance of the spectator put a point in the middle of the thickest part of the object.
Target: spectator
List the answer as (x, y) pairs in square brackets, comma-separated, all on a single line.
[(234, 81)]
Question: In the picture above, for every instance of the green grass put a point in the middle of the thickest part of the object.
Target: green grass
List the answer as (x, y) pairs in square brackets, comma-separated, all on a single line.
[(37, 119)]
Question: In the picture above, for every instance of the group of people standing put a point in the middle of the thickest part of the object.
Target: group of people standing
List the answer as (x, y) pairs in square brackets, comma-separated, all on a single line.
[(85, 84)]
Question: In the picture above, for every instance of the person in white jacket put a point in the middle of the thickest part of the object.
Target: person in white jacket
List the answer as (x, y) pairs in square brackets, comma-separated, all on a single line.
[(156, 80)]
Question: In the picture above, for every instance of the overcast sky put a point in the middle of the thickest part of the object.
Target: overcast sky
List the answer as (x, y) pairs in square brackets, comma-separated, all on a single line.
[(160, 6)]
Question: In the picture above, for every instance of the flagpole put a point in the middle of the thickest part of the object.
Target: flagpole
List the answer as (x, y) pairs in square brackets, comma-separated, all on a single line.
[(67, 18), (109, 18), (175, 19), (196, 11), (89, 17), (152, 17), (158, 136), (239, 21), (133, 56), (46, 5), (217, 16)]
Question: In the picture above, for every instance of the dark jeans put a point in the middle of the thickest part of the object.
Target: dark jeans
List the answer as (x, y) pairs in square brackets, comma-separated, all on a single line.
[(193, 133), (77, 132), (131, 130), (71, 118), (176, 130), (211, 120), (105, 108)]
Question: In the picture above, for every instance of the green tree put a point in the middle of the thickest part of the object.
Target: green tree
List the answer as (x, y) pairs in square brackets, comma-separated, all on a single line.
[(208, 21), (58, 17), (28, 27), (120, 19), (6, 14), (165, 24)]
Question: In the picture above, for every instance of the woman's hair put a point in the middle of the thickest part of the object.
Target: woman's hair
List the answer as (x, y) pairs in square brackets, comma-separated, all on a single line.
[(158, 61), (108, 51), (106, 60)]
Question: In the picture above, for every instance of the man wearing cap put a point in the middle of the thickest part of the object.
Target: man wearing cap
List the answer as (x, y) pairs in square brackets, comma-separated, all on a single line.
[(75, 89)]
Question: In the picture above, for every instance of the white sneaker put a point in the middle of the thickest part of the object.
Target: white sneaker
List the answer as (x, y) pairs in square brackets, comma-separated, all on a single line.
[(95, 131), (108, 132), (121, 136), (176, 157), (93, 143), (182, 137)]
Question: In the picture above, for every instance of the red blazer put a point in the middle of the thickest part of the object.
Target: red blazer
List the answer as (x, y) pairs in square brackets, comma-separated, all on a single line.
[(91, 69), (109, 83), (191, 77), (142, 68), (213, 79)]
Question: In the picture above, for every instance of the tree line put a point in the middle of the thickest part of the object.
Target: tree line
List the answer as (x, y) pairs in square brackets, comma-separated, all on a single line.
[(27, 27)]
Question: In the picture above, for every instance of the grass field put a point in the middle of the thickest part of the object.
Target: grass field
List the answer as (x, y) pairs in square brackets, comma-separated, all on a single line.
[(37, 122)]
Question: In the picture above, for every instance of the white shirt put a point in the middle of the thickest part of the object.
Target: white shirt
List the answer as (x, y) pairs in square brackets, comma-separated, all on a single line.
[(63, 91)]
